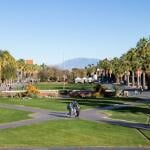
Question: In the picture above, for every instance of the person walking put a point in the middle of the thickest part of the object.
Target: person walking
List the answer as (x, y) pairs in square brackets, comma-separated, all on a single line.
[(74, 103), (141, 89), (70, 109), (77, 111)]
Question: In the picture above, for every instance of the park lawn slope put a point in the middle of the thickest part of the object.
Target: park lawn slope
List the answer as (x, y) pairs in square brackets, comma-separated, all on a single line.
[(9, 115), (60, 86), (58, 104), (133, 114), (69, 133), (44, 103), (146, 132)]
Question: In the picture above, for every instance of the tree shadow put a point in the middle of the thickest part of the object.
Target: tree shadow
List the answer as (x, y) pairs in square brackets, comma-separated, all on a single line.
[(94, 102), (132, 109)]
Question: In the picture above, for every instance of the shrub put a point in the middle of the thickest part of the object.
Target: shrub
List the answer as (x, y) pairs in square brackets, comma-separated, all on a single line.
[(32, 91), (98, 88), (117, 90)]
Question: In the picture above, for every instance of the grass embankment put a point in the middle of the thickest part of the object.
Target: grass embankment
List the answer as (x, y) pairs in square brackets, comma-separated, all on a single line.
[(58, 104), (146, 132), (9, 115), (60, 86), (44, 103), (134, 113), (64, 133)]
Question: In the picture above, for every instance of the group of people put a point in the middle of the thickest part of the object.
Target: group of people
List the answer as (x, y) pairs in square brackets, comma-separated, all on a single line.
[(139, 91), (73, 108)]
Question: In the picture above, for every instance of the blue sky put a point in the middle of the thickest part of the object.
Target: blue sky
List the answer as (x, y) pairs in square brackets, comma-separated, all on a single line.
[(49, 31)]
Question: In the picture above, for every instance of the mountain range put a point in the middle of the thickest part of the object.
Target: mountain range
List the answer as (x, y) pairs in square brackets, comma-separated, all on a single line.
[(78, 63)]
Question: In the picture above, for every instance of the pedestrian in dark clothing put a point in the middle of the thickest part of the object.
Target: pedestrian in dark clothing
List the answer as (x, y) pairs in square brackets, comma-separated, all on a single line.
[(77, 111), (141, 90), (74, 103), (70, 108)]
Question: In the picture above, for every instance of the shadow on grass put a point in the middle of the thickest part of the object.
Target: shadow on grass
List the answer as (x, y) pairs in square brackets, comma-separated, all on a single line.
[(94, 102), (133, 109)]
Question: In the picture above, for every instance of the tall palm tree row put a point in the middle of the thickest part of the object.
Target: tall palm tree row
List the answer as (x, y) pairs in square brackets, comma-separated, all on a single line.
[(133, 66), (12, 69), (7, 66)]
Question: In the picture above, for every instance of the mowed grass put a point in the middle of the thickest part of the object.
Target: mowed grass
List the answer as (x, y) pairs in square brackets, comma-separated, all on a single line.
[(9, 115), (58, 104), (135, 113), (60, 86), (146, 132), (69, 133), (44, 103)]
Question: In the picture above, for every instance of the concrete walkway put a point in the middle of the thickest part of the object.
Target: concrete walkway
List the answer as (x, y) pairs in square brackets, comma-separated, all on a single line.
[(40, 115)]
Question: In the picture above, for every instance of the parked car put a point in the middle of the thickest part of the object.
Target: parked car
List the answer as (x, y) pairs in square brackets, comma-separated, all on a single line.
[(81, 93), (109, 93), (85, 93)]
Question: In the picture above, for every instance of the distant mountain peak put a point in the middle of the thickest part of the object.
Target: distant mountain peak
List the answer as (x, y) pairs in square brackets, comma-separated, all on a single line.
[(78, 63)]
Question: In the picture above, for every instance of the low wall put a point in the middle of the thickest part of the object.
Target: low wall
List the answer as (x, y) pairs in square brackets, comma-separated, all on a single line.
[(44, 93)]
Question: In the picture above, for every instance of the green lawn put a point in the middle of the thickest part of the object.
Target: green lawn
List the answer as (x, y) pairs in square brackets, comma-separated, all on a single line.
[(44, 103), (9, 115), (135, 113), (63, 133), (60, 86), (57, 104), (147, 133)]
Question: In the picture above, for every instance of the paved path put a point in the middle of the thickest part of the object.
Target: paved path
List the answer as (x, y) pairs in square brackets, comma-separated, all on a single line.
[(40, 115)]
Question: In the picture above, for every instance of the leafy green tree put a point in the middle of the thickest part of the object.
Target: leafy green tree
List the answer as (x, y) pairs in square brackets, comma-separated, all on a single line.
[(8, 66), (134, 64), (106, 66), (117, 68), (143, 51)]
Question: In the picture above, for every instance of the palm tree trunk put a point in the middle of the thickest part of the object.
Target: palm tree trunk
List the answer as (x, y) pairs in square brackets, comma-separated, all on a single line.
[(21, 78), (117, 80), (138, 80), (133, 82), (144, 80), (127, 80)]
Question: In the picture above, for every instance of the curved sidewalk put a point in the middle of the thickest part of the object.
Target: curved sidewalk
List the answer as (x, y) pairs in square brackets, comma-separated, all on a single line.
[(40, 115)]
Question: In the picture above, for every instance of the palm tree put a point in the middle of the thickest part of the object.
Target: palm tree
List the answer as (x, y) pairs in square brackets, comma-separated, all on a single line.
[(117, 68), (131, 56), (143, 51), (8, 66), (126, 67), (106, 66), (20, 69)]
